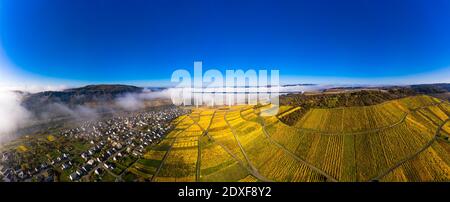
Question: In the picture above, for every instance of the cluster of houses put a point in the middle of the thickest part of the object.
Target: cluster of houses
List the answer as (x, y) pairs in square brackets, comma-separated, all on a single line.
[(109, 140), (13, 172)]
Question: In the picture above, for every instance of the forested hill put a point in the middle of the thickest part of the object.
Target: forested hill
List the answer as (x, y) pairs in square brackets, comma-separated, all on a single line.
[(79, 96)]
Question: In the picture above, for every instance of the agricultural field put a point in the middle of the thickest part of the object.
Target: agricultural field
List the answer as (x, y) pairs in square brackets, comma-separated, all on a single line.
[(218, 165), (445, 133), (270, 160), (180, 162), (429, 166), (205, 118), (222, 134), (399, 140), (249, 114), (361, 119), (146, 168), (286, 110)]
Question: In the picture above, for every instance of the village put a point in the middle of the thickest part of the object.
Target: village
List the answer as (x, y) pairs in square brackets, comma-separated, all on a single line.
[(99, 150)]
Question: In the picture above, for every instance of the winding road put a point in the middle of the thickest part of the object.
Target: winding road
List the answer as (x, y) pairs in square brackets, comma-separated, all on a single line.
[(255, 172)]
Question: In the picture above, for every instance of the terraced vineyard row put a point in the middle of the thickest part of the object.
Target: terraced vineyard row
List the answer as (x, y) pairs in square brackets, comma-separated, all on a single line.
[(270, 160), (400, 140), (430, 165), (222, 134), (149, 167), (356, 119), (218, 165), (360, 157)]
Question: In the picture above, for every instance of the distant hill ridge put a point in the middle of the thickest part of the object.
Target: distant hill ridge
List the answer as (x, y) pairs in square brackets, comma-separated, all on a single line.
[(79, 96), (432, 88)]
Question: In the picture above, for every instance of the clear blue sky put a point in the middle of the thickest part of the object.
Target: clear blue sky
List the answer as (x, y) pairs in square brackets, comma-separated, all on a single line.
[(117, 40)]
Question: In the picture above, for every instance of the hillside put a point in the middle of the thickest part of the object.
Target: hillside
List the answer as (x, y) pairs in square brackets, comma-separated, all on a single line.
[(76, 102), (79, 96), (341, 99), (432, 88), (399, 140)]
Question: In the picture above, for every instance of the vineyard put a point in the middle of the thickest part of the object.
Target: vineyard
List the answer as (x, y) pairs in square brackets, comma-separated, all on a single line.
[(399, 140)]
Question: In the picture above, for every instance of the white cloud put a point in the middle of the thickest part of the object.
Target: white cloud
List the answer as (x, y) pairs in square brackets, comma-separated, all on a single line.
[(135, 101), (130, 102), (13, 114)]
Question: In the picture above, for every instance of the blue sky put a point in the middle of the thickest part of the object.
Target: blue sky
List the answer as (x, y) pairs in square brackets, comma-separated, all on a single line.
[(112, 40)]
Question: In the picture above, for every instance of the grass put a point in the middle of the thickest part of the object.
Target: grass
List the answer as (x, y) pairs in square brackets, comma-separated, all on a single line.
[(108, 177)]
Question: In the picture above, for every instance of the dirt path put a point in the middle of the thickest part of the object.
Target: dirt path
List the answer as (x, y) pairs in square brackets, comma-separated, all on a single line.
[(250, 171), (255, 172), (262, 178), (199, 155), (168, 151)]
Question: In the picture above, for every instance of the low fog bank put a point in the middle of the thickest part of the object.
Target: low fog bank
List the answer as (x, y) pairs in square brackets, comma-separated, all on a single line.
[(303, 88), (94, 109), (59, 110), (13, 114), (137, 101)]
